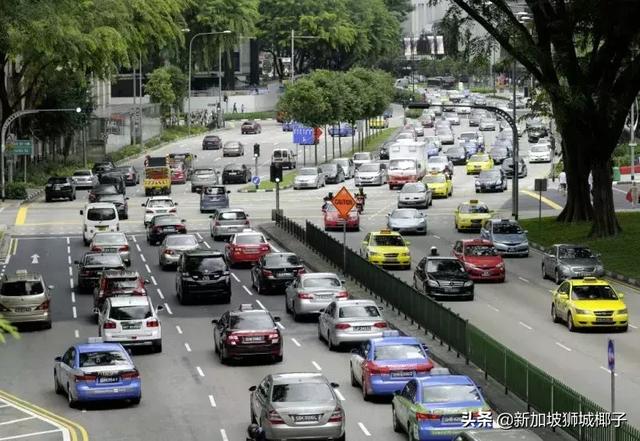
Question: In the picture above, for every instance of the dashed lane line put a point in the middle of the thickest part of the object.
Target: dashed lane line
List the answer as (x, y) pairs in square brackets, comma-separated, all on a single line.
[(212, 401), (261, 305), (199, 369), (280, 325), (179, 329), (633, 326), (436, 236), (316, 365), (235, 277), (70, 272), (223, 433), (147, 267), (69, 260), (71, 283), (166, 306), (143, 258), (75, 312), (295, 342), (566, 348), (160, 293), (199, 236), (73, 296), (76, 333), (68, 250), (68, 241), (274, 247), (153, 280), (138, 248), (364, 429), (339, 395), (206, 244), (247, 290), (523, 279), (524, 325), (494, 308), (187, 347)]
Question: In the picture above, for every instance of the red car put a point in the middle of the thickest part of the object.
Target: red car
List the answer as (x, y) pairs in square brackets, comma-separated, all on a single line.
[(118, 283), (333, 220), (481, 259), (246, 247), (178, 175)]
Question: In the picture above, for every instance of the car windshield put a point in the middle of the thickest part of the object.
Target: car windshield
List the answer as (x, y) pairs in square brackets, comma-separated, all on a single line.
[(384, 240), (487, 121), (453, 393), (181, 240), (160, 203), (361, 156), (281, 260), (321, 282), (456, 152), (489, 175), (206, 171), (111, 198), (250, 321), (450, 266), (434, 179), (232, 145), (22, 288), (498, 152), (166, 220), (539, 148), (370, 168), (202, 264), (308, 172), (358, 311), (398, 352), (480, 250), (575, 253), (479, 158), (301, 392), (232, 215), (109, 238), (467, 136), (343, 162), (102, 358), (82, 173), (593, 292), (402, 164), (57, 180), (250, 239), (408, 213), (413, 188), (473, 208), (122, 283), (137, 312), (214, 190), (507, 228), (103, 259), (438, 160), (332, 168), (101, 214)]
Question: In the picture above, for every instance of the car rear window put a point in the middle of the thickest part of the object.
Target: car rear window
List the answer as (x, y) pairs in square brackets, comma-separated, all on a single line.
[(281, 259), (138, 312), (160, 203), (102, 358), (232, 215), (103, 259), (215, 190), (449, 394), (251, 321), (22, 288), (57, 180), (201, 264), (122, 283), (247, 239), (301, 392), (398, 352), (166, 220), (115, 198), (82, 173), (321, 282), (101, 214), (181, 240), (361, 156), (358, 311)]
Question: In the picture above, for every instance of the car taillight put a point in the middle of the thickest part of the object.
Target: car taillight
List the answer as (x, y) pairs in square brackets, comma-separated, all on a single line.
[(300, 271), (149, 211), (3, 308), (124, 248), (265, 247), (43, 306), (267, 273), (424, 367), (86, 273), (173, 210), (274, 417), (109, 325), (274, 336), (153, 323), (140, 292), (232, 339), (375, 369), (96, 249), (337, 415), (342, 295), (130, 175), (217, 224), (169, 252), (380, 325), (305, 295), (130, 374), (343, 326), (425, 416), (157, 229), (79, 378), (247, 223)]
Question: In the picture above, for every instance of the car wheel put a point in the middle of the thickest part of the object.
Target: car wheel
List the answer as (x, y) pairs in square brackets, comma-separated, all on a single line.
[(396, 423), (286, 305), (223, 358), (544, 272), (554, 314), (570, 324), (72, 401), (47, 199), (556, 277), (330, 344), (157, 346), (320, 336), (227, 299), (411, 433), (296, 316), (56, 385), (365, 394), (354, 382)]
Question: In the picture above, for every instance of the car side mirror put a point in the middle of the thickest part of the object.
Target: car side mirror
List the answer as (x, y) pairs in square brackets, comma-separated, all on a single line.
[(228, 191), (355, 351), (81, 213), (183, 220), (321, 311), (252, 389), (51, 287), (57, 358), (335, 385), (214, 321), (277, 318), (76, 262), (211, 217), (406, 242), (343, 281), (142, 205), (176, 204), (621, 295), (146, 281), (159, 308), (563, 296), (126, 199)]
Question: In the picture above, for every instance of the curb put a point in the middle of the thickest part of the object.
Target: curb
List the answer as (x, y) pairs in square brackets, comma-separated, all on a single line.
[(5, 244), (32, 196), (271, 190)]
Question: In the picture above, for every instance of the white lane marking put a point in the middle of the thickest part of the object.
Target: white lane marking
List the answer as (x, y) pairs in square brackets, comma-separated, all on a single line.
[(524, 325), (68, 241), (274, 247), (4, 405), (70, 272), (212, 401), (566, 348), (494, 308), (436, 236), (235, 277), (147, 267), (166, 306), (247, 290), (69, 260), (523, 279), (280, 325), (179, 329), (260, 304), (153, 280), (295, 342), (134, 239), (223, 433), (633, 326), (199, 236), (607, 370), (17, 420), (71, 283), (364, 429), (206, 244), (187, 347), (199, 369), (76, 333), (143, 258), (28, 435), (316, 365), (160, 293), (138, 248), (339, 395), (75, 312), (68, 250), (73, 296)]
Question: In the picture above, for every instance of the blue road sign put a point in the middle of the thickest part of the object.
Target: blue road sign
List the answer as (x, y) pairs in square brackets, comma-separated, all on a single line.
[(302, 135), (256, 180), (611, 355)]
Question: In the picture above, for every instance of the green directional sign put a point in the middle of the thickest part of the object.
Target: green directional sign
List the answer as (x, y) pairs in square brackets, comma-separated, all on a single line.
[(22, 147)]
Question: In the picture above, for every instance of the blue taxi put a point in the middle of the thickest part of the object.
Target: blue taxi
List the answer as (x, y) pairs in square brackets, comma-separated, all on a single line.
[(383, 365)]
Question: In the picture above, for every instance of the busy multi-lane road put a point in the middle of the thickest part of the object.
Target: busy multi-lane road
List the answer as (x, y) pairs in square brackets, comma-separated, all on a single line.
[(188, 394)]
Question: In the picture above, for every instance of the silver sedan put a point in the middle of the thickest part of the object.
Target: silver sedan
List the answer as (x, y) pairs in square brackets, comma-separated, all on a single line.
[(309, 177), (311, 292), (297, 405), (112, 243), (407, 220), (203, 177), (173, 246), (350, 321)]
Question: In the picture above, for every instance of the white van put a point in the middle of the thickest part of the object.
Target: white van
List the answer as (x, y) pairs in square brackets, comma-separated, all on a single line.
[(285, 157), (97, 218)]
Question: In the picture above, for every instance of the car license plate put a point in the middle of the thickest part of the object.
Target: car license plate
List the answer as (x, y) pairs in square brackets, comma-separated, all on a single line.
[(362, 328), (107, 380), (205, 277), (452, 419), (450, 289), (486, 273), (169, 229), (101, 228), (256, 339), (305, 418), (22, 309), (110, 250), (399, 374), (56, 187), (128, 326), (251, 251), (511, 249), (283, 275), (603, 320)]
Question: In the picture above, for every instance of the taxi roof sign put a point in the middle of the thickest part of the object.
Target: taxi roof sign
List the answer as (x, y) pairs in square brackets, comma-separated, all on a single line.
[(344, 202), (473, 201)]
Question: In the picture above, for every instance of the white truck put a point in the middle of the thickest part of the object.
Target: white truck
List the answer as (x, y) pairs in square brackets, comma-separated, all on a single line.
[(407, 163)]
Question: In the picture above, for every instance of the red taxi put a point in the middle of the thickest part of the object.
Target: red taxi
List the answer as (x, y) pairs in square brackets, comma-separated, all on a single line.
[(246, 247), (333, 220), (178, 173), (481, 259)]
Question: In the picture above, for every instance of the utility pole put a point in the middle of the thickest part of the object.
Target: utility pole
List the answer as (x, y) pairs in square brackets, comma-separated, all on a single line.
[(141, 95), (516, 158), (293, 31)]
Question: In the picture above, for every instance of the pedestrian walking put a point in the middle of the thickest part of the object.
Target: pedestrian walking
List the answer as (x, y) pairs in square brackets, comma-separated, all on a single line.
[(562, 179), (235, 108), (242, 108)]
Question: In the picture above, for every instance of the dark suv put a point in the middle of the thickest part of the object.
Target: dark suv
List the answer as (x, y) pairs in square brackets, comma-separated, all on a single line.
[(443, 277), (203, 274), (236, 174), (116, 179), (60, 188), (211, 142)]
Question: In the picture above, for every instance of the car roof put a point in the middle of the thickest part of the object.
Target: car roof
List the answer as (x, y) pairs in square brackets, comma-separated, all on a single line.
[(469, 242), (318, 275), (384, 341), (440, 380), (22, 275), (589, 281), (443, 258), (569, 245), (298, 377), (109, 233), (240, 311), (203, 253), (99, 347), (160, 198), (385, 232), (113, 274), (128, 301), (100, 205), (504, 221), (232, 210), (356, 302)]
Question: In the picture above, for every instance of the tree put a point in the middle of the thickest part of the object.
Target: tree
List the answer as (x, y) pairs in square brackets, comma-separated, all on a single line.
[(179, 84), (582, 53), (305, 102), (400, 8), (159, 89)]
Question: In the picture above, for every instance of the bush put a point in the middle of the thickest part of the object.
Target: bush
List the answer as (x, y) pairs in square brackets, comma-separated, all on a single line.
[(483, 90), (125, 152), (16, 190), (40, 172), (413, 113), (251, 115)]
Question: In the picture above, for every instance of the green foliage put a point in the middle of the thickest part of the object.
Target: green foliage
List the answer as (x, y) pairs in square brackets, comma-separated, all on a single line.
[(126, 152), (405, 96), (16, 190), (306, 103), (6, 328), (413, 113), (159, 89), (169, 134), (483, 90), (39, 173), (249, 115)]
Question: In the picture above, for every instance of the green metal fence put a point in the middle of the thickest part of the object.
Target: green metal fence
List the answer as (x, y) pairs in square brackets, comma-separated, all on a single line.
[(539, 390)]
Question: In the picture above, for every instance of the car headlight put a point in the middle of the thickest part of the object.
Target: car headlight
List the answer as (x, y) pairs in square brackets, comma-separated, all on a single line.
[(373, 253), (433, 283), (599, 268), (583, 311), (622, 311), (468, 283), (470, 266), (405, 254), (500, 265), (477, 184)]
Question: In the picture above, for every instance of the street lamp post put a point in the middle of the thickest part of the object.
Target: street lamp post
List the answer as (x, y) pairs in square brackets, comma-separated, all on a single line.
[(5, 128), (516, 158), (219, 71)]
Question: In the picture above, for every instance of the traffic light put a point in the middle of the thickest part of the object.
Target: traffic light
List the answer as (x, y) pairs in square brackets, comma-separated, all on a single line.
[(275, 172), (256, 149)]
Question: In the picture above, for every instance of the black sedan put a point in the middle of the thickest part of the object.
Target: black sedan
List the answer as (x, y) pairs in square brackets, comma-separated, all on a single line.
[(499, 154), (443, 277), (130, 174), (211, 142), (236, 174), (250, 127), (161, 226), (203, 274), (101, 190), (507, 168), (59, 187), (491, 180), (92, 265), (119, 201), (103, 166), (457, 155), (536, 130), (333, 173), (274, 271)]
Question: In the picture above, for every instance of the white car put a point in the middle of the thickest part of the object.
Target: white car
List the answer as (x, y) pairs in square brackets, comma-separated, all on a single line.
[(540, 153), (445, 136), (99, 217), (406, 135), (350, 321), (130, 321), (309, 177), (466, 110), (418, 129), (471, 136), (452, 117), (487, 124), (432, 139), (364, 157), (373, 173), (158, 205)]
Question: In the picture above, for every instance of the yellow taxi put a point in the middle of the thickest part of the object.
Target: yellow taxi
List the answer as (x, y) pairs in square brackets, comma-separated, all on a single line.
[(440, 185), (378, 123), (387, 248), (589, 303), (471, 215), (479, 162)]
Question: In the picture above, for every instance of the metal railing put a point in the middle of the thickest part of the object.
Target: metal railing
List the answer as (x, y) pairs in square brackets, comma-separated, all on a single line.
[(540, 391)]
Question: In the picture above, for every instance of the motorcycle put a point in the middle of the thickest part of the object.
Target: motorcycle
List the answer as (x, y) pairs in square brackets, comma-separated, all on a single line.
[(360, 203)]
